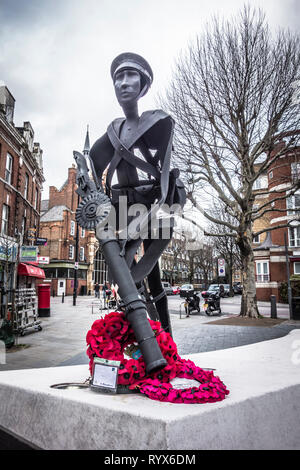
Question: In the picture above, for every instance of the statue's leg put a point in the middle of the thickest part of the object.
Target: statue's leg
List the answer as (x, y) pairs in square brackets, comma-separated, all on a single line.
[(135, 309), (160, 298)]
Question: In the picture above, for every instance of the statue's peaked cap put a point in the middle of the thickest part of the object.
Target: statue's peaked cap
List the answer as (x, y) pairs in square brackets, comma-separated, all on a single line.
[(130, 60)]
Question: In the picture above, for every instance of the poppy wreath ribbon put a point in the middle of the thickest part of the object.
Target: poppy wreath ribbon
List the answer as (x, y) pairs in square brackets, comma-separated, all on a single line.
[(110, 336)]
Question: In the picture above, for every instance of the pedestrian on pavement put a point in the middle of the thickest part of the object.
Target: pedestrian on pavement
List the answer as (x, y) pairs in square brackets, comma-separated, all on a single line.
[(97, 290), (108, 291), (221, 290), (104, 289)]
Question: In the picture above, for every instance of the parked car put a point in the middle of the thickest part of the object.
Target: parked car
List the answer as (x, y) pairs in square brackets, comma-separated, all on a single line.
[(211, 289), (237, 288), (186, 289), (168, 288), (224, 292), (176, 290)]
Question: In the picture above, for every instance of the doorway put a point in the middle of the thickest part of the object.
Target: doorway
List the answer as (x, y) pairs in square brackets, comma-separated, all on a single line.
[(61, 286)]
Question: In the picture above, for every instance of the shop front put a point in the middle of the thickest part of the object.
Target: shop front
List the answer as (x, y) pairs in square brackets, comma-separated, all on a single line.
[(27, 275), (61, 276), (8, 259)]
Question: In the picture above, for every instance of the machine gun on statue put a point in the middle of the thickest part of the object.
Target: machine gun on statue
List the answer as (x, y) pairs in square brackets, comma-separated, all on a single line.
[(93, 214)]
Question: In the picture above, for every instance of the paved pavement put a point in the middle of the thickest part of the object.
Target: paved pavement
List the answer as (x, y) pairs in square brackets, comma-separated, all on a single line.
[(62, 339)]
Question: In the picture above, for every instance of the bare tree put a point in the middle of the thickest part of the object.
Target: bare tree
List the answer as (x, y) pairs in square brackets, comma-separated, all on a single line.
[(225, 245), (176, 248), (232, 100), (203, 261)]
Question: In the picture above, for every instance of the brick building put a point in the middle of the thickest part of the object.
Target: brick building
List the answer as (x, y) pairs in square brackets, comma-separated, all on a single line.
[(21, 179), (59, 227), (269, 249)]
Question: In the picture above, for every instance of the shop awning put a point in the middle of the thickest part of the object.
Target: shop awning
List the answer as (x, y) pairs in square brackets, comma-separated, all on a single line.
[(29, 270)]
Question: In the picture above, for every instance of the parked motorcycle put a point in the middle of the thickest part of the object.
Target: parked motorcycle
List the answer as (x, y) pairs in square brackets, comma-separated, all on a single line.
[(191, 304), (212, 304)]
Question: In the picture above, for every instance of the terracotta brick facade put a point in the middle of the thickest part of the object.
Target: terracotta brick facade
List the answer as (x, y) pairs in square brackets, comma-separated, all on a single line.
[(21, 180), (59, 226), (270, 253)]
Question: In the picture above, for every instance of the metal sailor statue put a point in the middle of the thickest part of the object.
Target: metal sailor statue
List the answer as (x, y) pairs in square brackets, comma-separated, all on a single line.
[(134, 156)]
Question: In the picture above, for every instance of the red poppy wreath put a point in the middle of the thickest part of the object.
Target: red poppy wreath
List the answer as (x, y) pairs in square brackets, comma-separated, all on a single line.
[(110, 336)]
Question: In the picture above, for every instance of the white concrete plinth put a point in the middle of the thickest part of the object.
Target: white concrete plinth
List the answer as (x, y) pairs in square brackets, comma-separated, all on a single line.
[(262, 410)]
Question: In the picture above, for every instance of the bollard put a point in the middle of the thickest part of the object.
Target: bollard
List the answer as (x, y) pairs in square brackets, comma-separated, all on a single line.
[(273, 306), (63, 298)]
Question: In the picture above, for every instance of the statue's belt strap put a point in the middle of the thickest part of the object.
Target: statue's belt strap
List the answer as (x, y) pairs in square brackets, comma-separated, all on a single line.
[(159, 296), (163, 176), (122, 152)]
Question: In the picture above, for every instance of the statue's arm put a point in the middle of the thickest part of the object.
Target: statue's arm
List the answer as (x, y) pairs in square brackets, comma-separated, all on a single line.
[(162, 134)]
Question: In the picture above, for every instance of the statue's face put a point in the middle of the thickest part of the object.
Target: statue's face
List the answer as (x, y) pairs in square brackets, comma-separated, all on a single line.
[(127, 86)]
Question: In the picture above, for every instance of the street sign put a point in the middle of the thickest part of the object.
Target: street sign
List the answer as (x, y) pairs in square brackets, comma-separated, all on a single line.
[(76, 265), (43, 259), (221, 267), (28, 254), (31, 233), (41, 241)]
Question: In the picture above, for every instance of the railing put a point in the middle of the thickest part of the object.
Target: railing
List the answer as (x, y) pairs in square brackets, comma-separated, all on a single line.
[(262, 277)]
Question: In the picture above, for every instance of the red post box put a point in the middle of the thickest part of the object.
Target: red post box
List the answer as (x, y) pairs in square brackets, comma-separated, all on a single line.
[(44, 300)]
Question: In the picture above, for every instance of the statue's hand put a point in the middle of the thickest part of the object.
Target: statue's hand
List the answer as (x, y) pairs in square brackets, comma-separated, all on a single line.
[(81, 182), (85, 184)]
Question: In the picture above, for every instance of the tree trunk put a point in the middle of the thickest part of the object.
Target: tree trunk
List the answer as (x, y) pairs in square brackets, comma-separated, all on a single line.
[(249, 300), (231, 293)]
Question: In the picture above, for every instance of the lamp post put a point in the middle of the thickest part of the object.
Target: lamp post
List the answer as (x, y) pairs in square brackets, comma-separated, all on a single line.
[(86, 152), (76, 259), (288, 277)]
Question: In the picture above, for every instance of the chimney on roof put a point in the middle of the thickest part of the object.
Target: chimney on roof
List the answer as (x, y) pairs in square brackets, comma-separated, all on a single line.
[(7, 103)]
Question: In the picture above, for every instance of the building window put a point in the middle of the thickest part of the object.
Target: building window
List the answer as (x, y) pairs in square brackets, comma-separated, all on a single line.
[(297, 268), (62, 273), (23, 228), (8, 169), (50, 273), (72, 229), (295, 172), (260, 183), (36, 198), (294, 236), (256, 239), (271, 175), (257, 184), (100, 268), (293, 203), (71, 252), (262, 271), (26, 186), (82, 232), (5, 218), (81, 254)]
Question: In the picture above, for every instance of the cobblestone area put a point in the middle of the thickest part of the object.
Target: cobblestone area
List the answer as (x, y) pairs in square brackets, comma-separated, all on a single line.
[(213, 337)]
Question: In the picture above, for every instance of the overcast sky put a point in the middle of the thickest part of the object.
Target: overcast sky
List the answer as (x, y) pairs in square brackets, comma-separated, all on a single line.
[(55, 58)]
